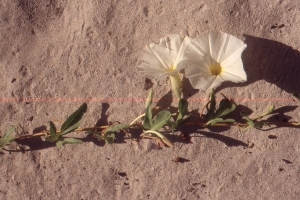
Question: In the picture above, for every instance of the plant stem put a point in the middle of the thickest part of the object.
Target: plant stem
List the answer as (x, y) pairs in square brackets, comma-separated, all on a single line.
[(46, 133), (201, 124), (142, 115), (161, 136)]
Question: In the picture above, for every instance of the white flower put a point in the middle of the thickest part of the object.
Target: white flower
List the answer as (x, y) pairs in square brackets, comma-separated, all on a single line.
[(163, 58), (214, 57)]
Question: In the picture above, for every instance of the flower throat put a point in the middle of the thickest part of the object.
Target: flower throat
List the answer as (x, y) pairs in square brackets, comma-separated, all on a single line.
[(215, 69)]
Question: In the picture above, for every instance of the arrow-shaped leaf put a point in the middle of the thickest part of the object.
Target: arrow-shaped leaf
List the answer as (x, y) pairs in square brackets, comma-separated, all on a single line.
[(9, 131), (72, 122), (109, 138), (182, 109), (147, 123), (149, 99), (212, 106), (218, 120), (269, 110), (7, 138), (249, 121), (52, 130), (225, 107), (161, 118), (63, 141), (116, 127)]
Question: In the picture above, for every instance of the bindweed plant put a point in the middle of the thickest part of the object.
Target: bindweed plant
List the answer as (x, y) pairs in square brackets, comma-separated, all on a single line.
[(208, 60), (71, 123), (151, 126)]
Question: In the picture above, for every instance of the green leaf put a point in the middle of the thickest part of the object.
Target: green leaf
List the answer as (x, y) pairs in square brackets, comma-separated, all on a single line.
[(171, 124), (149, 99), (161, 136), (5, 141), (147, 123), (69, 124), (214, 121), (249, 121), (71, 128), (9, 131), (52, 130), (50, 139), (218, 120), (161, 118), (116, 127), (212, 106), (229, 120), (182, 121), (7, 138), (182, 108), (109, 139), (63, 141), (269, 110), (225, 107)]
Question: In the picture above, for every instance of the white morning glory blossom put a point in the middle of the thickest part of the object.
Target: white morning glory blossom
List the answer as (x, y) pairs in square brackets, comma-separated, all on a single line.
[(161, 59), (214, 57)]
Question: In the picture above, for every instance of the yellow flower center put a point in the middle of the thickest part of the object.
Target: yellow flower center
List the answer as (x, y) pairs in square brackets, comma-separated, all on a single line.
[(215, 69), (171, 69)]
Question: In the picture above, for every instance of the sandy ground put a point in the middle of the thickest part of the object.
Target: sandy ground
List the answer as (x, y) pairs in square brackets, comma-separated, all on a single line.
[(58, 54)]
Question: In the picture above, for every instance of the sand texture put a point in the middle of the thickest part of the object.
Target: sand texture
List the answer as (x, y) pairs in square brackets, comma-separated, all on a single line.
[(55, 55)]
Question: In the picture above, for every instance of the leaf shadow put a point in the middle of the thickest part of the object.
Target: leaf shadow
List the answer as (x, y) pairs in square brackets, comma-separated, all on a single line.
[(33, 144), (165, 101), (228, 141), (187, 88), (103, 115), (279, 114)]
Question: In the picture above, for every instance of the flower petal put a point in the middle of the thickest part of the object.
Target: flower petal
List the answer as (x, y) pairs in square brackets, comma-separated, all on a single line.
[(149, 65), (222, 45), (150, 71), (198, 50), (200, 77), (162, 58), (232, 67), (177, 63), (235, 73), (214, 48)]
